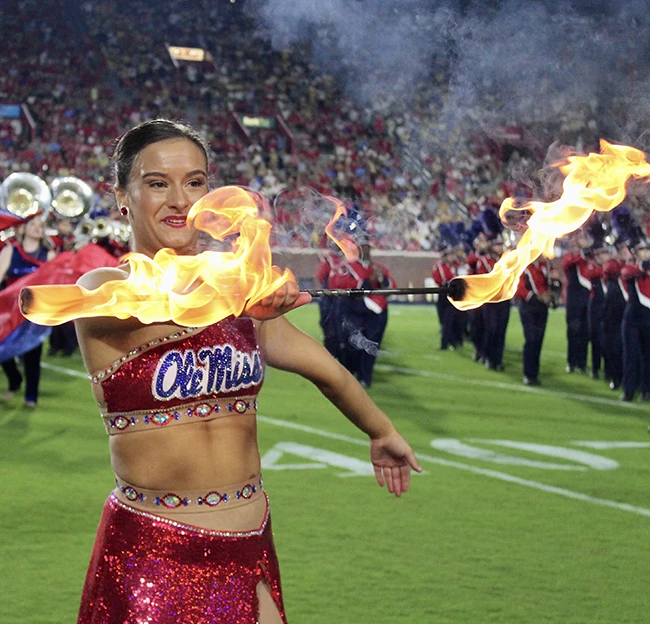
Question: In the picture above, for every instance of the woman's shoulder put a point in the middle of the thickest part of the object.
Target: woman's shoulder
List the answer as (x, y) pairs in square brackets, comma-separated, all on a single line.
[(7, 250), (95, 278)]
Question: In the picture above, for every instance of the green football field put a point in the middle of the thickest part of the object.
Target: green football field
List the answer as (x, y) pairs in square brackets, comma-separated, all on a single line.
[(533, 507)]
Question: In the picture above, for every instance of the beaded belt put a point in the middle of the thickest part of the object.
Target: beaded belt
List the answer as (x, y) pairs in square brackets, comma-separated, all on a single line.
[(141, 420), (200, 500)]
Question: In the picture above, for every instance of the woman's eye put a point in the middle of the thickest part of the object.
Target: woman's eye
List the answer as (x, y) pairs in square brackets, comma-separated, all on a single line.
[(197, 183)]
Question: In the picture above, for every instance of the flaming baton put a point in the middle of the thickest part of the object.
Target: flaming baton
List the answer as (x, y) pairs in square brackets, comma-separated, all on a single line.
[(206, 288), (592, 182)]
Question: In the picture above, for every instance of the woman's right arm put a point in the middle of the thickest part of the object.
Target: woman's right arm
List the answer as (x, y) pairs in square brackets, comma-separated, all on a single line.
[(102, 326), (103, 339)]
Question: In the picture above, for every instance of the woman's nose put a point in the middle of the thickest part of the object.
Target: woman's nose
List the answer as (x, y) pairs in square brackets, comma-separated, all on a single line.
[(178, 198)]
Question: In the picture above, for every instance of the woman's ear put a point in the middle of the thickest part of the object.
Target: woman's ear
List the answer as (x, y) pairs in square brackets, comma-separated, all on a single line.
[(120, 196)]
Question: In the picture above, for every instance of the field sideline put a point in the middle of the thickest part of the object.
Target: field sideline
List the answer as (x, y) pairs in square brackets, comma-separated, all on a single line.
[(534, 505)]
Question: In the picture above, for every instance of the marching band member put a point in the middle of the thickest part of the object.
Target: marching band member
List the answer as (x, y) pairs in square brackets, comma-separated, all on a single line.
[(575, 266), (443, 272), (63, 338), (476, 321), (533, 298), (496, 315), (636, 324), (363, 321), (461, 318), (599, 256), (31, 250), (329, 268), (613, 309)]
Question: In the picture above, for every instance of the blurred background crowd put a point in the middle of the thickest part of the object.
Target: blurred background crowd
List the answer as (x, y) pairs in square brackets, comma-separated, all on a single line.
[(92, 69)]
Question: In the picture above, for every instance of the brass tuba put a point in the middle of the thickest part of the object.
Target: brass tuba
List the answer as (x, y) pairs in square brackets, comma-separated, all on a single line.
[(71, 197), (24, 194)]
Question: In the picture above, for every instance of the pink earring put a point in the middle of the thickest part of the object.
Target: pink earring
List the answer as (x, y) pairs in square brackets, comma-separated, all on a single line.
[(124, 210)]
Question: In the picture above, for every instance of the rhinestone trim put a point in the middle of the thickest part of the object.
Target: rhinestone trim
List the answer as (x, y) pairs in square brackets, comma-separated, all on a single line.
[(203, 410), (130, 492), (172, 500), (191, 528), (99, 376)]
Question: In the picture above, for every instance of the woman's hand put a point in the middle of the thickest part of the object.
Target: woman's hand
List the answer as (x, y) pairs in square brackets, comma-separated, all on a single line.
[(392, 459), (287, 297)]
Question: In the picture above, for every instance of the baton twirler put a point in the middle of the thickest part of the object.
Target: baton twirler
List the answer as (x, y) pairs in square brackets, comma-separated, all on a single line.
[(454, 290)]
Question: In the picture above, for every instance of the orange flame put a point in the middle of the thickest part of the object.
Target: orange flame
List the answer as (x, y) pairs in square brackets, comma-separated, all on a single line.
[(337, 233), (592, 182), (189, 290)]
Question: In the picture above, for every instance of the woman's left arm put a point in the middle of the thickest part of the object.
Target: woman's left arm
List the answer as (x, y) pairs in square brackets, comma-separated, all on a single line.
[(286, 347), (5, 261)]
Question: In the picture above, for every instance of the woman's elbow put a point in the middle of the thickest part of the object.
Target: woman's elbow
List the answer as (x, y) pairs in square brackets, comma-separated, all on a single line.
[(335, 380)]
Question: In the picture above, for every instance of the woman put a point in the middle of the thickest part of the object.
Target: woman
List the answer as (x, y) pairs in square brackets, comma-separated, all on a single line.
[(16, 261), (186, 534)]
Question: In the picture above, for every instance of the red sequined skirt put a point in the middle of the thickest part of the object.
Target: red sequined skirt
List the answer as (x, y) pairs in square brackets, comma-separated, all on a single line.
[(145, 568)]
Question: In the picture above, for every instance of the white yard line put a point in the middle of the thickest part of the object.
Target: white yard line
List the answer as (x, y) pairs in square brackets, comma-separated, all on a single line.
[(65, 371), (471, 381), (495, 474), (428, 458)]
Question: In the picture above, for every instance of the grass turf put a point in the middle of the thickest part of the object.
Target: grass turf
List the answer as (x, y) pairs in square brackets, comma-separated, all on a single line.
[(473, 541)]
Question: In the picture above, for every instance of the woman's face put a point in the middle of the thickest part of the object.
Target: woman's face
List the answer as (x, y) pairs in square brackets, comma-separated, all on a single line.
[(167, 178), (34, 229)]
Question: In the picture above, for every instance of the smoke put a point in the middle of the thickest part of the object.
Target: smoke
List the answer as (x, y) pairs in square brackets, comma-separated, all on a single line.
[(498, 62), (372, 47)]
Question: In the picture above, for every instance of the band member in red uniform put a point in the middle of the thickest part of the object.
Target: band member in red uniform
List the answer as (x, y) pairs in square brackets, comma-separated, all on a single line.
[(636, 324), (461, 318), (186, 533), (599, 256), (533, 298), (476, 321), (613, 309), (363, 321), (63, 338), (443, 272), (31, 250), (331, 265), (496, 315), (578, 290)]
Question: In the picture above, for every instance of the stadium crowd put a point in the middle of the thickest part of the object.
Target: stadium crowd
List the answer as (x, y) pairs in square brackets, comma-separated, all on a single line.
[(90, 71), (406, 169)]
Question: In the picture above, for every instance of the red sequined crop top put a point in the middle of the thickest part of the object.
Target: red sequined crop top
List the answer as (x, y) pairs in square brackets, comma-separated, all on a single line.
[(195, 374)]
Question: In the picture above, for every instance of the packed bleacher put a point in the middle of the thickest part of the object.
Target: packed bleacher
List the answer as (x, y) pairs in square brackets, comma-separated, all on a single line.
[(92, 69)]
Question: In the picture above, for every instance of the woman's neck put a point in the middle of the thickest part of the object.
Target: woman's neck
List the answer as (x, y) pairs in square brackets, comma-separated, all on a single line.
[(31, 244)]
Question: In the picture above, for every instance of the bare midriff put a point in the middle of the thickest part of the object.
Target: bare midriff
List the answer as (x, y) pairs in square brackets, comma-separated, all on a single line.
[(190, 457), (201, 455)]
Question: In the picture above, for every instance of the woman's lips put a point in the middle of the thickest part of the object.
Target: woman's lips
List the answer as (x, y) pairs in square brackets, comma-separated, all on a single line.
[(175, 222)]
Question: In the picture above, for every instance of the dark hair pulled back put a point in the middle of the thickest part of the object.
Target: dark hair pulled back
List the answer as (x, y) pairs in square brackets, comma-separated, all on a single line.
[(135, 140)]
